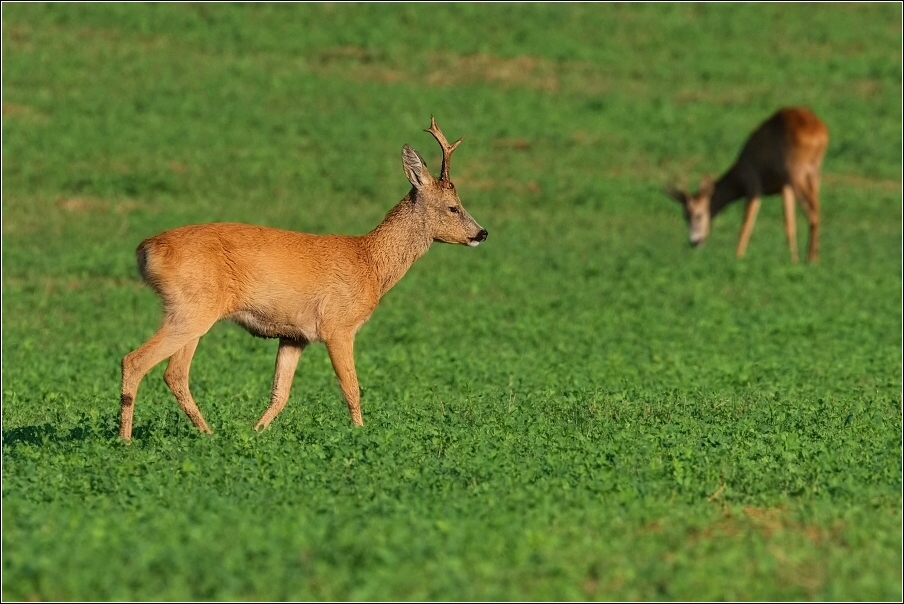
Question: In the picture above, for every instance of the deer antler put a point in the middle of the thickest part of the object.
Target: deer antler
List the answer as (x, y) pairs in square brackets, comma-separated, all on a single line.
[(444, 145)]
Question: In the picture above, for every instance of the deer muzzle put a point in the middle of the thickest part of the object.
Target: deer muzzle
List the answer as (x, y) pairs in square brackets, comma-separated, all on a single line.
[(479, 237)]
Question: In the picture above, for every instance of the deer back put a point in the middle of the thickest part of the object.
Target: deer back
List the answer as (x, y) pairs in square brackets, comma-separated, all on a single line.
[(784, 149)]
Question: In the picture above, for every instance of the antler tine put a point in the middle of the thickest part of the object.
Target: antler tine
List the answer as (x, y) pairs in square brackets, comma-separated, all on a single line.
[(444, 145)]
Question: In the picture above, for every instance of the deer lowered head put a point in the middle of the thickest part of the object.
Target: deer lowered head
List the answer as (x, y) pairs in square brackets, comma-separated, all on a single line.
[(697, 209)]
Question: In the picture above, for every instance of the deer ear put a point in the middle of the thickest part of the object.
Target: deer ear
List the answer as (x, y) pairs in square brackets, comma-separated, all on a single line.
[(415, 168), (676, 194)]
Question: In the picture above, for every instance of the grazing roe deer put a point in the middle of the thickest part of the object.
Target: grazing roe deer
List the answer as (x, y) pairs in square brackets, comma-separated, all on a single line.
[(783, 155), (297, 287)]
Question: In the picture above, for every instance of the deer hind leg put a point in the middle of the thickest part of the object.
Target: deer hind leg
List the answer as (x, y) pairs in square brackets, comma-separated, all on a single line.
[(176, 377), (790, 225), (341, 351), (286, 362), (169, 339), (750, 212), (809, 199)]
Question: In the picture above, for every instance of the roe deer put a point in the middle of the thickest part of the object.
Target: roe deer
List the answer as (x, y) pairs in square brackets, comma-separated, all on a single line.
[(297, 287), (783, 155)]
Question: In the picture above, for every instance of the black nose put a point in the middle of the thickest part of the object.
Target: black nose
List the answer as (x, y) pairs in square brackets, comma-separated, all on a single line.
[(482, 235)]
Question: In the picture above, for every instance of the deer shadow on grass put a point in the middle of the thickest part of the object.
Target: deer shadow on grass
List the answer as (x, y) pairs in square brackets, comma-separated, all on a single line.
[(94, 429), (47, 433)]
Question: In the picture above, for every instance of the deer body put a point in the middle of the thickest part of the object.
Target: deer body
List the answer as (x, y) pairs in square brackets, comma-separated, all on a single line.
[(298, 287), (274, 283), (782, 156)]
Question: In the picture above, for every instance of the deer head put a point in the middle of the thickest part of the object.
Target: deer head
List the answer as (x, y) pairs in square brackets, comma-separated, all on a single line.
[(696, 209), (446, 219)]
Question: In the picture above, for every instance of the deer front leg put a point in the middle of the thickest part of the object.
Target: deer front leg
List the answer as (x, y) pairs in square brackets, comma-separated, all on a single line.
[(790, 225), (341, 351), (750, 212), (286, 362)]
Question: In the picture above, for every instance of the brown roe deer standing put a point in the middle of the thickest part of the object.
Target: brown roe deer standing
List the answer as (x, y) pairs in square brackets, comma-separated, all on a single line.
[(297, 287), (783, 155)]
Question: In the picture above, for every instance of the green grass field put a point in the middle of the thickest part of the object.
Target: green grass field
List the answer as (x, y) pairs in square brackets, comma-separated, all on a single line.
[(583, 407)]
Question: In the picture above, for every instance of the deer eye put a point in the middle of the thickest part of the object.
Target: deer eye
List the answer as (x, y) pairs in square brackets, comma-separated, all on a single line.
[(453, 209)]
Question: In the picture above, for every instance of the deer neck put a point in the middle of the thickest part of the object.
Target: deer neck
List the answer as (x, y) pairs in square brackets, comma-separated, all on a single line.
[(397, 242), (728, 188)]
